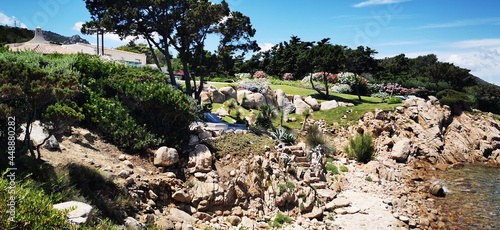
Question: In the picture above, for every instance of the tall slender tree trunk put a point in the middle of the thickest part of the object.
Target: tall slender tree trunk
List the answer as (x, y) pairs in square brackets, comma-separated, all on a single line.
[(357, 87), (155, 58), (169, 67), (187, 77), (325, 78)]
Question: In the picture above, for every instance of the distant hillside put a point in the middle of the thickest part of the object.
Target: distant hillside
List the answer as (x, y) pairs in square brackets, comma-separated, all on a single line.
[(54, 37), (15, 35)]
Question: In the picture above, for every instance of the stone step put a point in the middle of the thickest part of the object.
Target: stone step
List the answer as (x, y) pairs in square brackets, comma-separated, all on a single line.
[(311, 180), (319, 185), (302, 159), (306, 165), (298, 153)]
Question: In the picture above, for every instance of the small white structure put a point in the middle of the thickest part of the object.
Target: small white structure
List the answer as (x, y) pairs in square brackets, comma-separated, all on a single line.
[(40, 45)]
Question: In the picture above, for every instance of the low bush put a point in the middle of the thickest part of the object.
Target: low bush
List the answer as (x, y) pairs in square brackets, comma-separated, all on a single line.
[(394, 100), (344, 168), (360, 147), (332, 168), (315, 137), (282, 188), (453, 98), (113, 120), (280, 219), (290, 185), (239, 145), (31, 209)]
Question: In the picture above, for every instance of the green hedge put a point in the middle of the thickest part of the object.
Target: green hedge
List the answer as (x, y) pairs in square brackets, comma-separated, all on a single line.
[(33, 208), (453, 98)]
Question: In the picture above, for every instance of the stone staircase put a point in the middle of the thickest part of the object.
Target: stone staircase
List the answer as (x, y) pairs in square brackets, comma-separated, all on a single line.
[(308, 168)]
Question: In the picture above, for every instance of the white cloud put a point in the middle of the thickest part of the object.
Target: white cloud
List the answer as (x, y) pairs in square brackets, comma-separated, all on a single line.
[(477, 43), (461, 23), (482, 62), (402, 43), (10, 21), (77, 26), (378, 2), (265, 47)]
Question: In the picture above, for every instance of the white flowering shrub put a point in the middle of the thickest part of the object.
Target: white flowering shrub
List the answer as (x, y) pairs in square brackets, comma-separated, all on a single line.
[(382, 95), (243, 75), (341, 88)]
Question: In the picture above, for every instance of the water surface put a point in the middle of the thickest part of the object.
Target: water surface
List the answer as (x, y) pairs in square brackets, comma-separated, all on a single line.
[(473, 198)]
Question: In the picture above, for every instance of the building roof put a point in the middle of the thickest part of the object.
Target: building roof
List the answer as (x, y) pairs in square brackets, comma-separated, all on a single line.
[(40, 45)]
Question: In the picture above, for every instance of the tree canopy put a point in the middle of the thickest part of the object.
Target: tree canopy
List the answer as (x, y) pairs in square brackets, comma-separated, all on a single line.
[(181, 24)]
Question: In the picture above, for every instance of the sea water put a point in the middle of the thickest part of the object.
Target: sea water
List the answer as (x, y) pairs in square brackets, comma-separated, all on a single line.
[(473, 197)]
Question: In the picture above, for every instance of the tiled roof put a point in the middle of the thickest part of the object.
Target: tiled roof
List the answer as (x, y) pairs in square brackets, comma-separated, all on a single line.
[(42, 48)]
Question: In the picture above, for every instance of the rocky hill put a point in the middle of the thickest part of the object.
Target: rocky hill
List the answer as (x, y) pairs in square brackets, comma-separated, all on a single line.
[(199, 189)]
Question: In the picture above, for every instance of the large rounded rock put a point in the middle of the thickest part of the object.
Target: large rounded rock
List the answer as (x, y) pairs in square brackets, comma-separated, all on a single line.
[(166, 156), (200, 159), (216, 95), (246, 99), (327, 105), (312, 102), (259, 99), (270, 96), (401, 150), (300, 105), (283, 102), (82, 213), (205, 97), (436, 189), (229, 92)]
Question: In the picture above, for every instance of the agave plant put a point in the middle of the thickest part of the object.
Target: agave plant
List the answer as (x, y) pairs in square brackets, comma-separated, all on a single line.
[(284, 136)]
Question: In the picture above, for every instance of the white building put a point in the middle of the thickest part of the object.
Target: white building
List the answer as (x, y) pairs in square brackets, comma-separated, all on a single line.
[(40, 45)]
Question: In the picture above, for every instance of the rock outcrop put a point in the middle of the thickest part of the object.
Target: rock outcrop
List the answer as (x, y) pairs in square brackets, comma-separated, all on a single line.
[(165, 156)]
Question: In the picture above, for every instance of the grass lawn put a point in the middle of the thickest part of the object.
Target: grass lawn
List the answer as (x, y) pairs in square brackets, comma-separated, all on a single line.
[(330, 116)]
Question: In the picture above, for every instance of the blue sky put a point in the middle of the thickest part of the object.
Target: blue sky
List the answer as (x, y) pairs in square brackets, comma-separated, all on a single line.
[(466, 33)]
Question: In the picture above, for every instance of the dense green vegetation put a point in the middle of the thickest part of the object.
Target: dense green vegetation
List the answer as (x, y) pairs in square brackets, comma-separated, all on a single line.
[(361, 147), (14, 35)]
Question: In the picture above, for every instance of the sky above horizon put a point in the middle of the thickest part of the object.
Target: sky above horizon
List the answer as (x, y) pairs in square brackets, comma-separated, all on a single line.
[(465, 33)]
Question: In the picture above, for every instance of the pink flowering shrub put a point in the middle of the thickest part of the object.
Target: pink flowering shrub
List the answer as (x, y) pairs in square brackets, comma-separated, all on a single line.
[(400, 90), (288, 76), (259, 74)]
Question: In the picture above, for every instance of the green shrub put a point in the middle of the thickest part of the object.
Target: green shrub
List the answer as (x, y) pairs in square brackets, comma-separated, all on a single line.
[(114, 120), (290, 185), (394, 100), (332, 168), (453, 98), (33, 208), (360, 147), (369, 178), (282, 188), (316, 137), (344, 168), (280, 219), (265, 116), (165, 111)]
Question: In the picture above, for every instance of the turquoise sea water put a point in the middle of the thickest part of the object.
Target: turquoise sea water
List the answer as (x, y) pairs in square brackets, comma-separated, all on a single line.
[(473, 198)]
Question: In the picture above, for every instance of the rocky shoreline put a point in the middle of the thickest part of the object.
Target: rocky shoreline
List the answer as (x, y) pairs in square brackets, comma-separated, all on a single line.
[(395, 190)]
